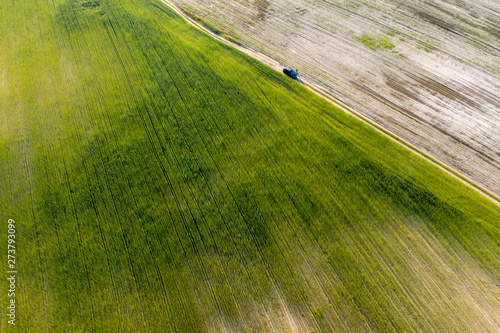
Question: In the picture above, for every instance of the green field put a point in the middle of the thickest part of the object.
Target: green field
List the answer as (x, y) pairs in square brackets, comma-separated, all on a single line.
[(163, 182)]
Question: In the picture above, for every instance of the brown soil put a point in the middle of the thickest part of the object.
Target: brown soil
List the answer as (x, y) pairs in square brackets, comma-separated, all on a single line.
[(438, 88)]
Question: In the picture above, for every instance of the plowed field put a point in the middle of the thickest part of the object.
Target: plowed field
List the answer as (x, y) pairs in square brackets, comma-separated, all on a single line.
[(428, 71)]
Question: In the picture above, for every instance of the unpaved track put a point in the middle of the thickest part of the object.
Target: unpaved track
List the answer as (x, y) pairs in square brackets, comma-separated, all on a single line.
[(323, 90), (438, 88)]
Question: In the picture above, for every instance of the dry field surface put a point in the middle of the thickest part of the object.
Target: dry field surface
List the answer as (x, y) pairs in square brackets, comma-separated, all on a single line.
[(156, 180), (428, 71)]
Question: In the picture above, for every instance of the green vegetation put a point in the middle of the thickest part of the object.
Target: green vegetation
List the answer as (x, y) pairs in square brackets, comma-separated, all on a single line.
[(162, 181), (210, 27), (201, 21), (373, 43)]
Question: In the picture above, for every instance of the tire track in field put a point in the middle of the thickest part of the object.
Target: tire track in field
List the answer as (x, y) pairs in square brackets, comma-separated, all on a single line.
[(281, 251), (235, 246), (239, 208), (130, 188), (100, 219), (270, 192), (217, 165), (30, 170), (311, 235), (185, 198), (97, 213), (200, 261), (76, 125), (107, 177), (76, 50), (79, 228), (296, 153), (66, 183), (212, 193), (457, 280), (135, 202), (55, 128), (284, 216), (199, 209), (28, 149), (359, 17), (252, 135)]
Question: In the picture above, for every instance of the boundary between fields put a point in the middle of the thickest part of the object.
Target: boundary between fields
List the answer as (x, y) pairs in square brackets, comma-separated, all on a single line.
[(406, 144), (332, 99)]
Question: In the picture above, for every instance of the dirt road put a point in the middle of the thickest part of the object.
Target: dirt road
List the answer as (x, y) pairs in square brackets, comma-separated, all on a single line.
[(428, 72)]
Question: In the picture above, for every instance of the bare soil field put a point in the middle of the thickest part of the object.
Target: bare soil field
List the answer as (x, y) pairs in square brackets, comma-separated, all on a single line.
[(428, 71)]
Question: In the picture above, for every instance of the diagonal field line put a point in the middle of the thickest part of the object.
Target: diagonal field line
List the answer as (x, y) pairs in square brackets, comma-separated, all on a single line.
[(337, 102)]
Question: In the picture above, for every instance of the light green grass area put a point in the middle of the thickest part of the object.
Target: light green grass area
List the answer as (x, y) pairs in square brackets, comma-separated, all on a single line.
[(375, 44), (163, 182)]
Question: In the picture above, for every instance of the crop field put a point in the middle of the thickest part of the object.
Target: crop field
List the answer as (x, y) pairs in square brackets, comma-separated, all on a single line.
[(428, 71), (161, 181)]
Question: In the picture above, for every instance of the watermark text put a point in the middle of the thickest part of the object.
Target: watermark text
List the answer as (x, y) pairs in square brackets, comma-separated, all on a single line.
[(11, 271)]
